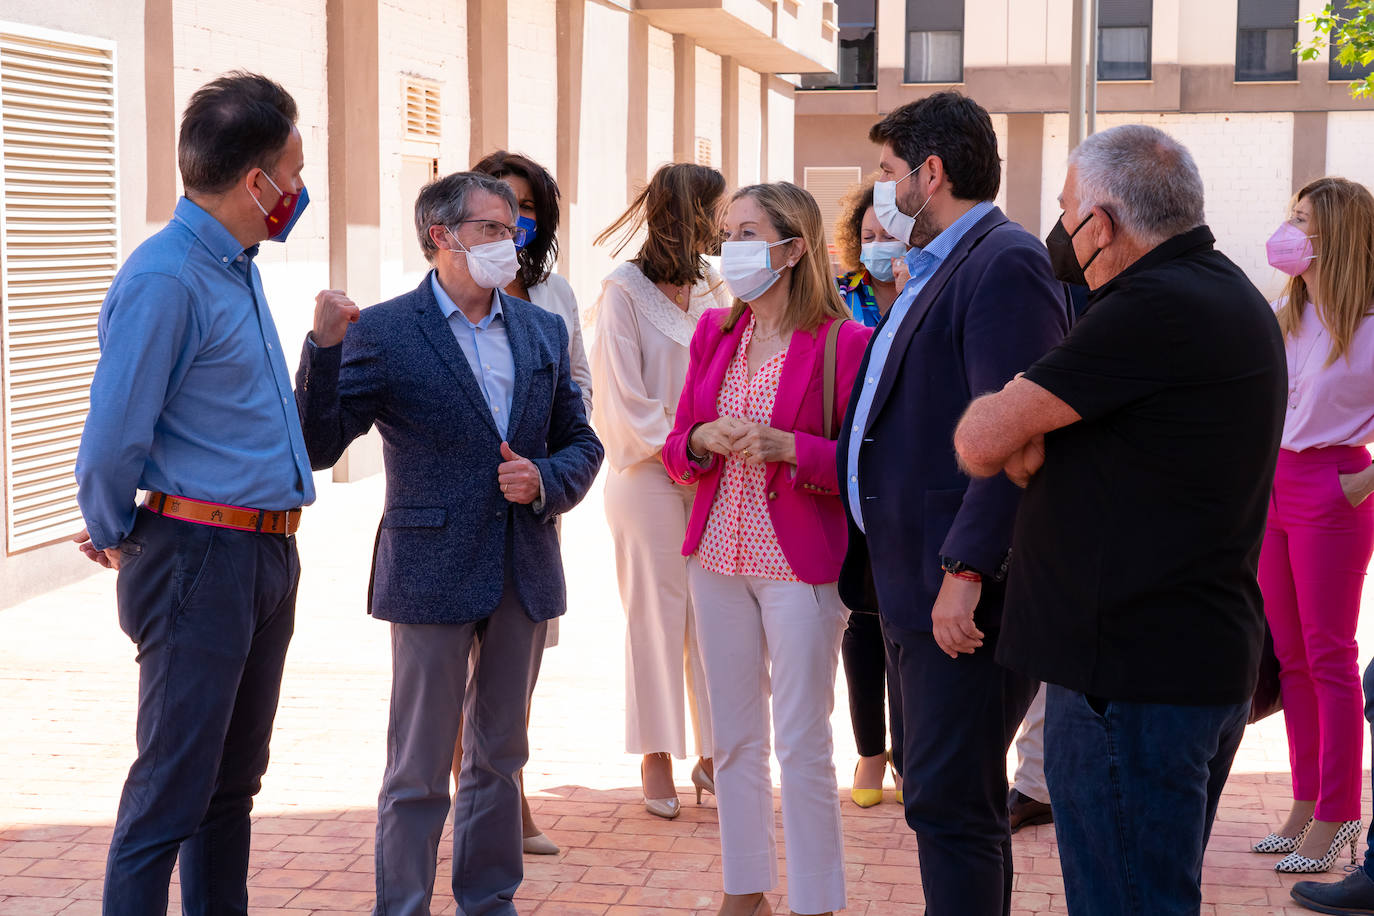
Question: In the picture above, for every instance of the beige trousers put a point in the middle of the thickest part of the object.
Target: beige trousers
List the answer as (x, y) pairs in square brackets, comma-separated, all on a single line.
[(647, 514)]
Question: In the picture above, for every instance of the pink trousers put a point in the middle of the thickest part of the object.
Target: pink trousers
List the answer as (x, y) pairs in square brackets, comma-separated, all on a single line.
[(1312, 569)]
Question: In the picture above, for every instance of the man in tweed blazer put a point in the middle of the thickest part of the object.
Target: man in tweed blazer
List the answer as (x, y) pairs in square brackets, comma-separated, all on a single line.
[(485, 444)]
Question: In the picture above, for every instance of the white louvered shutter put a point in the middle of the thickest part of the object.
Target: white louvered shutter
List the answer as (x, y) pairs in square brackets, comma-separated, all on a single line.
[(422, 112), (829, 185), (59, 250)]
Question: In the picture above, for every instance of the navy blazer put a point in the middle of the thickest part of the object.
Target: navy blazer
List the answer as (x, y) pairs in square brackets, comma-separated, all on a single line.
[(991, 309), (441, 548)]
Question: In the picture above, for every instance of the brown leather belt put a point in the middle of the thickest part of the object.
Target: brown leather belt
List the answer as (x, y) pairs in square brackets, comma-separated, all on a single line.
[(282, 521)]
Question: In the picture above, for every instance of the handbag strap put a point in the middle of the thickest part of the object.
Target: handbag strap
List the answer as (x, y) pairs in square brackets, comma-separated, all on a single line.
[(828, 377)]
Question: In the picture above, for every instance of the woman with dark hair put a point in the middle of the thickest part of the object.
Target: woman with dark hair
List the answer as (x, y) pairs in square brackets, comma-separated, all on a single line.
[(536, 197), (645, 319), (868, 254), (872, 258)]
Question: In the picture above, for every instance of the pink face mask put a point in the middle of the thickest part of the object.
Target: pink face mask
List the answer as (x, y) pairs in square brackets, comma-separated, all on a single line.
[(1290, 249)]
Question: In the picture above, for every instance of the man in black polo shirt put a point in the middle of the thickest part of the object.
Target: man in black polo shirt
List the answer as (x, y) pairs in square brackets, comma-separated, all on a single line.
[(1148, 440)]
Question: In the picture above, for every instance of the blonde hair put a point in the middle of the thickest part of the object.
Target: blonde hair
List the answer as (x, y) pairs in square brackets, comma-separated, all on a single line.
[(1343, 223), (813, 296)]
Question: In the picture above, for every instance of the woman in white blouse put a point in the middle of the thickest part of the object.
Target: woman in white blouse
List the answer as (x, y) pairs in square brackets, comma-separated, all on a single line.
[(644, 321), (536, 194)]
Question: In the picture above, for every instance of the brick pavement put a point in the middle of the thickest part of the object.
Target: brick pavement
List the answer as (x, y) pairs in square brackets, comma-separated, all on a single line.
[(67, 686)]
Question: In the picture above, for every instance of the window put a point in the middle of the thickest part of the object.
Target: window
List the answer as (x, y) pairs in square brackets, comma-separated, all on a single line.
[(1337, 72), (858, 61), (1123, 39), (934, 41), (59, 249), (1266, 32)]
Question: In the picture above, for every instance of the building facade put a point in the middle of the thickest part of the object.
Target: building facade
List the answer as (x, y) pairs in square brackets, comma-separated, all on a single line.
[(1218, 75), (391, 93)]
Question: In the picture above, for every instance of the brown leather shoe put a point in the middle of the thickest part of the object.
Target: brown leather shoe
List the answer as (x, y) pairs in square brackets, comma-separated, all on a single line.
[(1025, 811)]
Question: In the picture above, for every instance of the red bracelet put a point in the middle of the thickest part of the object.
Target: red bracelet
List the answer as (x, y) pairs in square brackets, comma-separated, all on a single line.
[(966, 575)]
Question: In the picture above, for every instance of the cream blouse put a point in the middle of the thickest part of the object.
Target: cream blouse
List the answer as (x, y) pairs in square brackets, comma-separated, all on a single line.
[(639, 360)]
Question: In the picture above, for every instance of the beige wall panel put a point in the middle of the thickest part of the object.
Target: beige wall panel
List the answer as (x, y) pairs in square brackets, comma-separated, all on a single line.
[(781, 121), (1054, 156), (750, 127), (892, 35), (709, 104), (601, 181), (33, 572), (1167, 25), (1246, 161), (660, 120), (986, 31), (1027, 33), (424, 38), (532, 62), (1207, 32), (285, 40), (999, 125), (1349, 138), (834, 141)]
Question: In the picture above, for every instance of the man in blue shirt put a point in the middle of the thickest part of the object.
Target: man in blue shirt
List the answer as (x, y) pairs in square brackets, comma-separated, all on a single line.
[(486, 443), (981, 305), (192, 402)]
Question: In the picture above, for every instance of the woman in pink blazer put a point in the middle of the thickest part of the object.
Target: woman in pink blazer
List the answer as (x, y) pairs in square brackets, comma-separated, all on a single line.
[(766, 538)]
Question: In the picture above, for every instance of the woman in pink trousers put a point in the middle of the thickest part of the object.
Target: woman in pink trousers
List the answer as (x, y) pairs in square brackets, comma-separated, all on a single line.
[(1320, 533)]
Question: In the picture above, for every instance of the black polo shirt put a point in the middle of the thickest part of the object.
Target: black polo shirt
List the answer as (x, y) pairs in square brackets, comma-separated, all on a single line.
[(1133, 564)]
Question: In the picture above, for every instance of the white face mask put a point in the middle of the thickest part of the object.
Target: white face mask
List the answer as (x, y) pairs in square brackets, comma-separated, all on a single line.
[(492, 265), (877, 258), (897, 223), (747, 268)]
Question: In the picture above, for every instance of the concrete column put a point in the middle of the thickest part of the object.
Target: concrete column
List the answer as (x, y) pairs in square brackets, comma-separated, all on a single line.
[(637, 121), (1025, 149), (353, 95), (159, 97), (684, 99), (488, 87), (1309, 147), (571, 15), (729, 120)]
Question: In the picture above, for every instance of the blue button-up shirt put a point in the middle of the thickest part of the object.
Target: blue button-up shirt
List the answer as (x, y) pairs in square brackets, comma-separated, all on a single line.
[(922, 263), (191, 395), (487, 348)]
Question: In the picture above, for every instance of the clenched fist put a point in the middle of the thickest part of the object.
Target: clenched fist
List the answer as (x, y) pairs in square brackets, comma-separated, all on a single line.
[(334, 312)]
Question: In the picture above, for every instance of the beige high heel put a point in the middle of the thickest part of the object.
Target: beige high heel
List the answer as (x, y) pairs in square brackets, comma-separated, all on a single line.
[(702, 781), (666, 808)]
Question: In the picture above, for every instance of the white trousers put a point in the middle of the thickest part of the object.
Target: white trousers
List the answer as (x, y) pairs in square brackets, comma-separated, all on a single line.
[(1030, 752), (647, 514), (759, 635)]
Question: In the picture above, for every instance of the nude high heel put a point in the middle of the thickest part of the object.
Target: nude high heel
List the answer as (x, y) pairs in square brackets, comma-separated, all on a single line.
[(702, 781)]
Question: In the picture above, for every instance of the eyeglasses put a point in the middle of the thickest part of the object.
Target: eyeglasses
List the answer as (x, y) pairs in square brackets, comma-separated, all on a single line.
[(491, 230)]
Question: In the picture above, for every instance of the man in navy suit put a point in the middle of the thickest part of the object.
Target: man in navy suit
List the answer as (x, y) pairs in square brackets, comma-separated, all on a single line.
[(982, 304), (485, 443)]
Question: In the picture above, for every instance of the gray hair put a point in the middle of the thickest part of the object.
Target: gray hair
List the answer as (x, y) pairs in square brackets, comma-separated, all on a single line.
[(1145, 178), (444, 202)]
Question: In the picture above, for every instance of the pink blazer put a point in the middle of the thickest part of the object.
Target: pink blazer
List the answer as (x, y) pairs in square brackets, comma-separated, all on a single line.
[(804, 506)]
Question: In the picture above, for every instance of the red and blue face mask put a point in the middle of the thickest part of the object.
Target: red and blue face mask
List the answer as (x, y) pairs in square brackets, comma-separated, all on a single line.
[(286, 211)]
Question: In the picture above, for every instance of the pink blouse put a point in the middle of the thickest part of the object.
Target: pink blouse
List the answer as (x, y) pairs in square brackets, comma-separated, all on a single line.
[(1329, 405), (739, 539)]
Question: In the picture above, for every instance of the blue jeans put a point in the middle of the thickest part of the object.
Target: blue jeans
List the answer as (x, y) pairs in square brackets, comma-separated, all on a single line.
[(211, 611), (1135, 789)]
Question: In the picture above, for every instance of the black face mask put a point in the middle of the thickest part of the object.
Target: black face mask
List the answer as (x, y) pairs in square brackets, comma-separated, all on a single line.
[(1062, 256)]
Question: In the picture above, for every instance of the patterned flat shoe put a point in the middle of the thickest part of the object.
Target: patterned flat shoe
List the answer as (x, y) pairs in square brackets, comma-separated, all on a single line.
[(1347, 835), (1275, 843)]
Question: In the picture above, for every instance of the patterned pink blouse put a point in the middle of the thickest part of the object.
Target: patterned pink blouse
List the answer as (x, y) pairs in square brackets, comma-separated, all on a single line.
[(739, 539)]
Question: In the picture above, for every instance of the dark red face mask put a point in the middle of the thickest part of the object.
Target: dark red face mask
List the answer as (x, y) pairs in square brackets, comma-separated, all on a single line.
[(283, 215)]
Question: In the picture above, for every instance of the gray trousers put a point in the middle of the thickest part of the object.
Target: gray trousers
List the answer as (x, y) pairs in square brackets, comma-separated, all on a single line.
[(430, 687)]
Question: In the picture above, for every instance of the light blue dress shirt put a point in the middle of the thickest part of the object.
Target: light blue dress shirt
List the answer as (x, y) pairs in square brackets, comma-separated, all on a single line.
[(191, 395), (922, 263), (487, 348)]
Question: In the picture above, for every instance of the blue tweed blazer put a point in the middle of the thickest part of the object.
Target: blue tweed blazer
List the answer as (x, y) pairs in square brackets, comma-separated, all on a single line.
[(440, 553)]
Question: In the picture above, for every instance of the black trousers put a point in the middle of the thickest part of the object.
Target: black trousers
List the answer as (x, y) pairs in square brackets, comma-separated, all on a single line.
[(960, 717), (866, 674)]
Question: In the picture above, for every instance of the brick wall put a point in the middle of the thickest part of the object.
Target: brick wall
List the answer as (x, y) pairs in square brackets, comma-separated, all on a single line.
[(1349, 139), (660, 113), (708, 103), (532, 62)]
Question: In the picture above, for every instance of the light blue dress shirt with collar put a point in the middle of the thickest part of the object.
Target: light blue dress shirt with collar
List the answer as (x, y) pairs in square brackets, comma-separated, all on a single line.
[(191, 396), (922, 264), (487, 348)]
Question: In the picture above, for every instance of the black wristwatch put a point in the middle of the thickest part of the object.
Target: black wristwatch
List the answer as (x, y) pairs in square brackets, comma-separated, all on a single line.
[(954, 567)]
